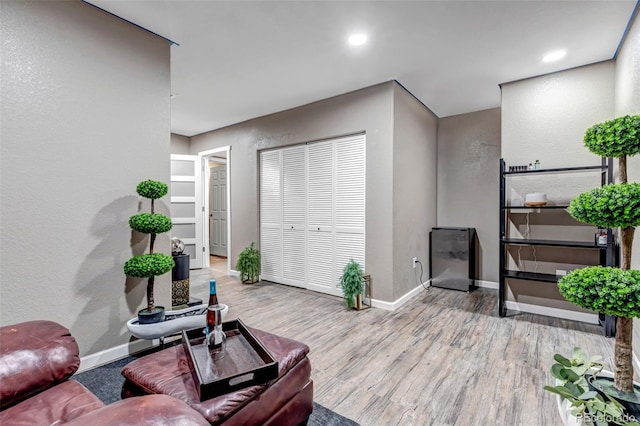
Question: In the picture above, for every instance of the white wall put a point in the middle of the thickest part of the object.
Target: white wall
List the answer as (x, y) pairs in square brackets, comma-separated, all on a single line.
[(180, 144), (545, 118), (414, 188), (368, 110), (88, 93), (468, 180)]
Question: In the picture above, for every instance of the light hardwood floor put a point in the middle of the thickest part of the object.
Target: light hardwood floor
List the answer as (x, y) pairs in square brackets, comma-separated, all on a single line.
[(444, 358)]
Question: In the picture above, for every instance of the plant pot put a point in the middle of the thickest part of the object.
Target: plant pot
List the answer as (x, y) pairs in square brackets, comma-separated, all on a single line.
[(146, 317), (564, 407), (603, 384), (175, 321)]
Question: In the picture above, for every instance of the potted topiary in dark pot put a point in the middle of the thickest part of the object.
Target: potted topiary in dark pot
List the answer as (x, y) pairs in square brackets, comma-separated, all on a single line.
[(352, 282), (248, 264), (152, 264), (612, 291)]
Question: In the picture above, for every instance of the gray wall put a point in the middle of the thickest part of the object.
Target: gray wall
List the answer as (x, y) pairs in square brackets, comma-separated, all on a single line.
[(628, 102), (180, 144), (469, 178), (414, 188), (89, 94), (368, 110), (545, 118)]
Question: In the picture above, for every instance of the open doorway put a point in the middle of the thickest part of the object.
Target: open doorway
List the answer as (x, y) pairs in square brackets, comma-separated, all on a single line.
[(216, 203)]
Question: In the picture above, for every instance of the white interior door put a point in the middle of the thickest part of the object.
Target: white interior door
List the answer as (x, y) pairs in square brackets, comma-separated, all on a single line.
[(271, 215), (186, 206), (349, 208), (218, 211), (321, 274), (293, 215)]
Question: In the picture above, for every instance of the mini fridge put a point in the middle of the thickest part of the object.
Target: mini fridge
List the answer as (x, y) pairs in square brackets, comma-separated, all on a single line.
[(452, 258)]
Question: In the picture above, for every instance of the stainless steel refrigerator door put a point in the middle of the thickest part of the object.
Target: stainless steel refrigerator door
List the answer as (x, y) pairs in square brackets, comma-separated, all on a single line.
[(450, 259)]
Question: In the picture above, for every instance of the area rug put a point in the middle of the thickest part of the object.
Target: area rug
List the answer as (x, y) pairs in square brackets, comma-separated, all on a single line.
[(106, 382)]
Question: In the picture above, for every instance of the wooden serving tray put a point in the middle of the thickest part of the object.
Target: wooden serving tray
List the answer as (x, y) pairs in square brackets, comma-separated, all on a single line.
[(246, 363)]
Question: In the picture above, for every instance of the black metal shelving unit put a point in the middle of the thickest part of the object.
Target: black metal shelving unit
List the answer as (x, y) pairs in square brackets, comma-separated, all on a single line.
[(608, 253)]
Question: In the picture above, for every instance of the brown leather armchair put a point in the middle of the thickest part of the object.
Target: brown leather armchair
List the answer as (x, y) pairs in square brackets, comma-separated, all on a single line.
[(36, 360)]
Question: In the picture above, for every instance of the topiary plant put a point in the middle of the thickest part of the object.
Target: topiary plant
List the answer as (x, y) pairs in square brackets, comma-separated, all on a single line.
[(248, 264), (152, 264), (604, 289), (352, 281)]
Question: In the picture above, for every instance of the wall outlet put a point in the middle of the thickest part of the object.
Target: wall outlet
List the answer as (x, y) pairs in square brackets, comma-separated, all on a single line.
[(415, 260)]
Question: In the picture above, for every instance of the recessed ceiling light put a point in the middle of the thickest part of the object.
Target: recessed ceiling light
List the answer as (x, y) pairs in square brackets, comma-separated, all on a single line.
[(554, 56), (357, 39)]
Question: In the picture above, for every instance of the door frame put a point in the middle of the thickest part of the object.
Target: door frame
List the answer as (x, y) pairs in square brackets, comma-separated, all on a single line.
[(205, 155)]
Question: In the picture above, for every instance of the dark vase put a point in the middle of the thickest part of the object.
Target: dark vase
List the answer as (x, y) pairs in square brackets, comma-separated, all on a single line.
[(629, 400), (145, 317)]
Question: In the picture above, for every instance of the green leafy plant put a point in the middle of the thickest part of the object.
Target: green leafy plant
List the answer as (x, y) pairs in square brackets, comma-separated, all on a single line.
[(248, 264), (604, 289), (152, 264), (571, 384), (612, 206), (608, 206), (614, 138), (352, 282)]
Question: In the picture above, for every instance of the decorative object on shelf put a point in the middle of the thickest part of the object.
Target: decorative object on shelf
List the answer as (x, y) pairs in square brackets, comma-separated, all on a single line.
[(177, 246), (575, 398), (535, 199), (536, 165), (612, 291), (352, 283), (248, 264), (152, 264)]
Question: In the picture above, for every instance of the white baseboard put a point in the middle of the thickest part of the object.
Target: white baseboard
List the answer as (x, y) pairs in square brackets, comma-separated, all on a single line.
[(234, 273), (552, 312), (487, 284), (392, 306), (113, 354), (635, 362)]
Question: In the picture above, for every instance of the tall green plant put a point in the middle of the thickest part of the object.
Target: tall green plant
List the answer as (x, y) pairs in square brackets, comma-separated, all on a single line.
[(612, 206), (248, 264), (352, 282), (152, 264)]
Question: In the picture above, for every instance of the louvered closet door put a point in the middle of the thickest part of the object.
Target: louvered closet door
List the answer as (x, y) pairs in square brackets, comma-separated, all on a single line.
[(293, 215), (320, 234), (312, 212), (349, 203), (271, 215)]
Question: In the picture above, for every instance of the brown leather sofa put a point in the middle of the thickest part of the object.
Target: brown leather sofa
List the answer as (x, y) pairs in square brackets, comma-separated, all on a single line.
[(36, 360)]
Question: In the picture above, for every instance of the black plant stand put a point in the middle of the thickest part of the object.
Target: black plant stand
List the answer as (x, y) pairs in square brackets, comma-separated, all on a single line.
[(180, 280)]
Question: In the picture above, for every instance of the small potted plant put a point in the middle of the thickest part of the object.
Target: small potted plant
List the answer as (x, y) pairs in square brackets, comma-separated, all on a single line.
[(612, 291), (575, 398), (352, 282), (248, 264), (152, 264)]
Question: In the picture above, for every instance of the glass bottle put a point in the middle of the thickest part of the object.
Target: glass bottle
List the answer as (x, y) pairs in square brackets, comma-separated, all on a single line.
[(213, 300), (536, 165)]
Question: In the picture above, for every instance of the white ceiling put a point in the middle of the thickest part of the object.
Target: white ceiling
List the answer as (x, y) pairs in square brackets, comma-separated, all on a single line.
[(238, 60)]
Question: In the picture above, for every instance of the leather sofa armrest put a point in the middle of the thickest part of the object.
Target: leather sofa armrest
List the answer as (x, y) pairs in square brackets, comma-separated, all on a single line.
[(149, 410), (34, 356)]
